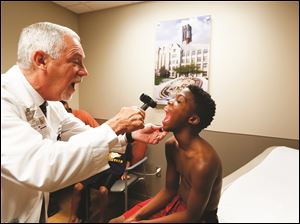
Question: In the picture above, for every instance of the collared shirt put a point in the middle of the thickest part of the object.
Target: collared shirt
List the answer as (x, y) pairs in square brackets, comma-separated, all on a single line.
[(33, 162)]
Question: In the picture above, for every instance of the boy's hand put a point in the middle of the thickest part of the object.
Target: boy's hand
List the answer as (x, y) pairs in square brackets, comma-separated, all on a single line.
[(125, 176)]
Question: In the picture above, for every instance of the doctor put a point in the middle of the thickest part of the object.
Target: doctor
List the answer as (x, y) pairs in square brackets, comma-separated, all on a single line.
[(33, 160)]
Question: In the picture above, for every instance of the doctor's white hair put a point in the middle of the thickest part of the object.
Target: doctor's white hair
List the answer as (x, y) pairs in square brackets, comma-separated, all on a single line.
[(44, 36)]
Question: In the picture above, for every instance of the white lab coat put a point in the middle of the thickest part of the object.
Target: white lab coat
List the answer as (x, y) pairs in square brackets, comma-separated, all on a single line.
[(33, 162)]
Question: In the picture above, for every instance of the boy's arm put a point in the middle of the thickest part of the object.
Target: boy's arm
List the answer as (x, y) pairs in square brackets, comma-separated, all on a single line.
[(166, 194), (123, 175)]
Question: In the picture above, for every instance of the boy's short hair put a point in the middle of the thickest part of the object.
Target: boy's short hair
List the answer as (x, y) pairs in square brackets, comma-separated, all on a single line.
[(205, 106), (66, 105)]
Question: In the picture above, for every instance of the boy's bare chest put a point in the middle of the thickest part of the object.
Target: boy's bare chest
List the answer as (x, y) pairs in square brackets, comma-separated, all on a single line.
[(183, 165)]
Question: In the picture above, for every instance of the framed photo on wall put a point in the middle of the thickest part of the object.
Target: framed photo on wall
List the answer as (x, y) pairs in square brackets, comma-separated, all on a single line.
[(181, 56)]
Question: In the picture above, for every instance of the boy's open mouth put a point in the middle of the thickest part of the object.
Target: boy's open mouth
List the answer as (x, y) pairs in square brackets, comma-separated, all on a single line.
[(167, 117)]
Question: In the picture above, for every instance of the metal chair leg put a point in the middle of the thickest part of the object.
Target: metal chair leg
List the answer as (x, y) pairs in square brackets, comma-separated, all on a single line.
[(87, 203), (126, 192)]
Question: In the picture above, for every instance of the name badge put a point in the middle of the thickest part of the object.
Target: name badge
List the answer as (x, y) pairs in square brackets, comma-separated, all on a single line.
[(37, 121)]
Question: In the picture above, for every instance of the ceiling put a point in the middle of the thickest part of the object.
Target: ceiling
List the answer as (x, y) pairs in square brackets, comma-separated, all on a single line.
[(89, 6)]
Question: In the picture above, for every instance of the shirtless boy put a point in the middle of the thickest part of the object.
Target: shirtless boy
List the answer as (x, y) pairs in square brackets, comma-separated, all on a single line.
[(194, 170)]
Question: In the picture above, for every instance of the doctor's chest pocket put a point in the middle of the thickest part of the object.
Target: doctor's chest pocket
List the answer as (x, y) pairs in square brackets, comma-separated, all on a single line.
[(55, 132), (58, 138)]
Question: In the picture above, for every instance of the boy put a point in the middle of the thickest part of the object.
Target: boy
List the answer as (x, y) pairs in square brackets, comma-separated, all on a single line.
[(194, 171), (101, 181)]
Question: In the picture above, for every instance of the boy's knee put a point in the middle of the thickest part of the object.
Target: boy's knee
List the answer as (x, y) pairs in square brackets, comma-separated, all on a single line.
[(78, 187), (103, 190)]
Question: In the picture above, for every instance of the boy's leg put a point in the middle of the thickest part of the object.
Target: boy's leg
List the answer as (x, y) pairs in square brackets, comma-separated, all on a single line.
[(103, 191), (75, 202), (128, 214), (176, 205), (107, 180)]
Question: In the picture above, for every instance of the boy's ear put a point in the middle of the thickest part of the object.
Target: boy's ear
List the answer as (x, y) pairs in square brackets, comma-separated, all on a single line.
[(194, 120)]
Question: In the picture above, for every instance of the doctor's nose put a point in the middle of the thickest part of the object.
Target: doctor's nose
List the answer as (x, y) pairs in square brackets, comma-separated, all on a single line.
[(82, 71)]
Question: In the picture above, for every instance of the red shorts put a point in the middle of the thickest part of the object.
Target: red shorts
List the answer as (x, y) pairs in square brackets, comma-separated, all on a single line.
[(176, 205)]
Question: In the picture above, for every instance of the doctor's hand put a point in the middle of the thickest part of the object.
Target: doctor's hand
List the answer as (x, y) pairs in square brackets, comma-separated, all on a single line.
[(127, 120), (150, 134)]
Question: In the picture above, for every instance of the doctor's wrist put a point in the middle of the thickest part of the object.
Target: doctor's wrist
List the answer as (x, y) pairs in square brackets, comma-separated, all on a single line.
[(116, 127)]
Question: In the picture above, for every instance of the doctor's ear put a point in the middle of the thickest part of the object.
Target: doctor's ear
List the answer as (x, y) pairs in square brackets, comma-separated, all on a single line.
[(39, 59)]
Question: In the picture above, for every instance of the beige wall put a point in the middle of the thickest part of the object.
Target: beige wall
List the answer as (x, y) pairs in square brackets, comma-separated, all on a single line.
[(16, 15), (254, 69)]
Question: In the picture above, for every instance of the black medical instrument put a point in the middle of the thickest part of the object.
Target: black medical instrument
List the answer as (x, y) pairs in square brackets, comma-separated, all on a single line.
[(148, 101)]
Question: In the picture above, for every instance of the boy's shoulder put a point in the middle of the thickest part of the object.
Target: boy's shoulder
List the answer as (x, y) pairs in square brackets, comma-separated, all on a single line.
[(207, 161)]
